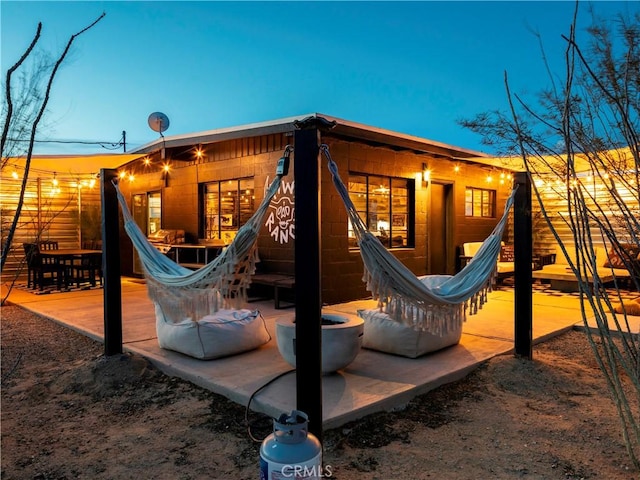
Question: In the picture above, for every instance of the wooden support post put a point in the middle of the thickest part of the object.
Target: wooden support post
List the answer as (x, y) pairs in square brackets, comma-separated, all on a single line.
[(523, 250), (308, 346), (112, 292)]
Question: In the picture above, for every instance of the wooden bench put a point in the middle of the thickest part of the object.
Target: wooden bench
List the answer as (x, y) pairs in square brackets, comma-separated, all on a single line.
[(278, 281), (192, 266)]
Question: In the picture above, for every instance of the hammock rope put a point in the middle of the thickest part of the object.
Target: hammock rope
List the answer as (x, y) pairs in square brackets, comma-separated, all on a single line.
[(182, 293), (433, 303)]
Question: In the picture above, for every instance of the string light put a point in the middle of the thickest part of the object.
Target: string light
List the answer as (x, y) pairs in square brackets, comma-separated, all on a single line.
[(58, 184), (54, 182), (16, 168)]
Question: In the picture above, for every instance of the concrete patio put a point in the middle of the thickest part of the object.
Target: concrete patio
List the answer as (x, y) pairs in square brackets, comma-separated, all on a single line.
[(373, 382)]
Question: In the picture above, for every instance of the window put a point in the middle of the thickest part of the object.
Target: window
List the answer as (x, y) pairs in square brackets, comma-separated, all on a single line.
[(479, 202), (386, 206), (227, 206)]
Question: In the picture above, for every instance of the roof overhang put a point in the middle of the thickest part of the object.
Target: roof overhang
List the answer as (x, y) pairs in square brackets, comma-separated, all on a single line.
[(341, 128), (220, 135)]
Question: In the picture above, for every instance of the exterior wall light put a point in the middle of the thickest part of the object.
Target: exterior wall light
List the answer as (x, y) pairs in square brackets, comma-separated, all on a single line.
[(426, 174)]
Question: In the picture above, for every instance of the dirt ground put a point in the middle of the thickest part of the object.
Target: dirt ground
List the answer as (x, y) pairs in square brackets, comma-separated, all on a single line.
[(69, 412)]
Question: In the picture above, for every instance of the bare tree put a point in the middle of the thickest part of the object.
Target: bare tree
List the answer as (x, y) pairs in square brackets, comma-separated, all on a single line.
[(580, 139), (22, 115)]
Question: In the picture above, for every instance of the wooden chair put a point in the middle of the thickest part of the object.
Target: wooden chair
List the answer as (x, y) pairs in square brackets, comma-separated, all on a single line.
[(47, 245), (38, 268), (92, 244), (87, 270)]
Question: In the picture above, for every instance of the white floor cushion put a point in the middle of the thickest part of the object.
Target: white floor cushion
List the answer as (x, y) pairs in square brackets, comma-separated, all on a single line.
[(225, 333), (384, 334)]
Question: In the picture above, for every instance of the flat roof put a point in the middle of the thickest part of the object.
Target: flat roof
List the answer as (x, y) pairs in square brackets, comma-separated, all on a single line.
[(342, 128)]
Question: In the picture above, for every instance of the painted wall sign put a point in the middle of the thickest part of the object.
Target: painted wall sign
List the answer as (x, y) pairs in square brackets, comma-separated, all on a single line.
[(281, 218)]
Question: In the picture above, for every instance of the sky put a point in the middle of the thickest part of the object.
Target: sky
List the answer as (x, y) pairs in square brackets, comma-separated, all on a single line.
[(416, 68)]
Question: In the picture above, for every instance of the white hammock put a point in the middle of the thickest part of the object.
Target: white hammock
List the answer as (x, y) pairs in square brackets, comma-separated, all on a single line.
[(185, 294), (431, 303)]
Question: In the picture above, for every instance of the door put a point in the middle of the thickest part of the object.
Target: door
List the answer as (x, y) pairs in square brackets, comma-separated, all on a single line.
[(441, 252), (154, 212), (139, 213), (147, 213)]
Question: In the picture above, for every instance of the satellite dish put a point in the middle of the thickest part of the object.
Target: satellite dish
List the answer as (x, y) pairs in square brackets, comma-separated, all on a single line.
[(158, 122)]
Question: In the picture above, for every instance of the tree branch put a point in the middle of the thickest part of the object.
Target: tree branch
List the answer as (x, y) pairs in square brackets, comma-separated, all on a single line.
[(34, 127)]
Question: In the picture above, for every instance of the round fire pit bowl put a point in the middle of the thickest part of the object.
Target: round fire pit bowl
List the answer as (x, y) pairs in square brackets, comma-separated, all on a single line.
[(341, 339)]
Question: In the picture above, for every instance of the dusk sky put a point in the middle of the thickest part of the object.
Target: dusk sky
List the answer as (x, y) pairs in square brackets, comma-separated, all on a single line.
[(411, 67)]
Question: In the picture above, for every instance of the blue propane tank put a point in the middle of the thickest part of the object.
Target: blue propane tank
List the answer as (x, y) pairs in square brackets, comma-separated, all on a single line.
[(291, 452)]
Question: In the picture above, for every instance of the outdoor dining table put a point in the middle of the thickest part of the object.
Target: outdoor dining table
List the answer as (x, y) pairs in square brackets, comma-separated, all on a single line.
[(66, 258)]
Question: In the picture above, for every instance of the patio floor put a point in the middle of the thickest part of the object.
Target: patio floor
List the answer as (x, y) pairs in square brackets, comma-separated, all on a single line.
[(373, 382)]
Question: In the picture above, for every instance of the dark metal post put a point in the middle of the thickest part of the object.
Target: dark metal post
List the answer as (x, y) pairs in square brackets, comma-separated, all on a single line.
[(307, 270), (111, 264), (523, 249)]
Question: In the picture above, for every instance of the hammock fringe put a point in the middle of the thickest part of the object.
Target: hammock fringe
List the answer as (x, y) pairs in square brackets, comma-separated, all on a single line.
[(434, 303), (183, 294)]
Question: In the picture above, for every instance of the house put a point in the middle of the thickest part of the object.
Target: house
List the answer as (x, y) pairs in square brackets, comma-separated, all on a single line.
[(423, 199)]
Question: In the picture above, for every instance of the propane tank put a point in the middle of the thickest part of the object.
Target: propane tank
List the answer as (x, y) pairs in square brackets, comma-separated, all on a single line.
[(291, 452)]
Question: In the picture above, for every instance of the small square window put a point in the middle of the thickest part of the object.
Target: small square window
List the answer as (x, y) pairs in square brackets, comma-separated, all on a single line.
[(480, 202)]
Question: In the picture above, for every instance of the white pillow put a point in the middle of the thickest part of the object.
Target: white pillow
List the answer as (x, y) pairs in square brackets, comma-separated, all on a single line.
[(383, 333), (225, 333)]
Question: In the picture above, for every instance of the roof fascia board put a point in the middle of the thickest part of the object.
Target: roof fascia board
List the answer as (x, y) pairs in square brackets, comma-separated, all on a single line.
[(389, 137)]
